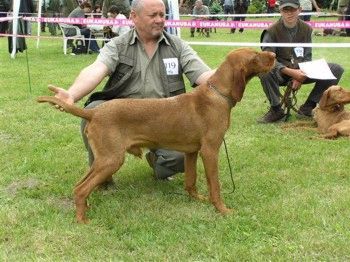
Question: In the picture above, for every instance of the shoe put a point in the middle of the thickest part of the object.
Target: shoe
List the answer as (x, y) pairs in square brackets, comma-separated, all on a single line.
[(304, 111), (241, 30), (207, 34), (272, 116), (192, 34)]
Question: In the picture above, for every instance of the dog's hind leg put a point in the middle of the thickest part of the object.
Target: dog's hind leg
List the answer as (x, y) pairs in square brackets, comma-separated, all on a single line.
[(108, 158), (210, 160), (191, 175), (101, 170)]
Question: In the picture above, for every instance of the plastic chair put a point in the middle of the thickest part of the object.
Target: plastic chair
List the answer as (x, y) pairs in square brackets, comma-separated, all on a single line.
[(75, 36)]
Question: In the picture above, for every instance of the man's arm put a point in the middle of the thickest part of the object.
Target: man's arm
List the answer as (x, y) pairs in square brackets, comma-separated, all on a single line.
[(88, 79), (203, 78)]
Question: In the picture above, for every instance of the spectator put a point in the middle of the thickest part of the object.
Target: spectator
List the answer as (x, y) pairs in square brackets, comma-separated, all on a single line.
[(270, 6), (228, 10), (113, 31), (306, 7), (4, 7), (123, 6), (137, 64), (200, 9), (291, 29), (80, 12), (341, 10), (240, 7)]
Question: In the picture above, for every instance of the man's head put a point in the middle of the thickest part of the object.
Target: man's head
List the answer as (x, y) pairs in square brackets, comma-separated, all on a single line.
[(289, 3), (290, 10), (86, 6), (148, 17), (113, 11), (199, 3)]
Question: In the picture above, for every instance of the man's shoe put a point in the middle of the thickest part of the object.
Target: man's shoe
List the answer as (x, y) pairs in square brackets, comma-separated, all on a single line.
[(272, 116), (192, 34), (304, 111)]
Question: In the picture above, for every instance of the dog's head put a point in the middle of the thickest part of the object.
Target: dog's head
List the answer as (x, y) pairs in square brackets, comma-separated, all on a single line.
[(334, 98), (246, 63)]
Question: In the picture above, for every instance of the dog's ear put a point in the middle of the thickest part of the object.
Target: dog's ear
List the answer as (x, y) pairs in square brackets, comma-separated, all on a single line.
[(239, 83), (324, 100)]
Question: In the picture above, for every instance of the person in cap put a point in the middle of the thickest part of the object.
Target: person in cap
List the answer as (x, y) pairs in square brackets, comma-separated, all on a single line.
[(291, 29)]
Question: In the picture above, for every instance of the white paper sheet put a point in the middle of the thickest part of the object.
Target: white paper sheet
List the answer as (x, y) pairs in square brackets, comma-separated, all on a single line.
[(317, 69)]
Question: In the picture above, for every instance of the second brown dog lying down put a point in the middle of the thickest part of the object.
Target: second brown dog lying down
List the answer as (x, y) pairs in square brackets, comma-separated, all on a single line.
[(193, 122), (331, 117)]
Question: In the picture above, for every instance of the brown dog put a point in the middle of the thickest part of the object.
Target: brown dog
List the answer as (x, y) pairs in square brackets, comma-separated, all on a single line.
[(331, 117), (191, 123)]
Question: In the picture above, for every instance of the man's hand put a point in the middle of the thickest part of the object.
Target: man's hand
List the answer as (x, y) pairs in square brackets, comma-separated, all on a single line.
[(299, 75), (62, 95), (296, 85)]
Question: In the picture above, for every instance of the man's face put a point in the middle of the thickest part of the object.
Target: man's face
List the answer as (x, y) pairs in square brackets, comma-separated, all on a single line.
[(150, 20), (199, 4), (290, 15), (87, 10)]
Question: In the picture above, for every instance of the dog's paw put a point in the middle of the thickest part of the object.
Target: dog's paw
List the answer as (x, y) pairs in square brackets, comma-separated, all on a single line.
[(223, 210)]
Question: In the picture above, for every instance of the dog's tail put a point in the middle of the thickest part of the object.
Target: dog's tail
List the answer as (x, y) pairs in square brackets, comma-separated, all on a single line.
[(72, 109)]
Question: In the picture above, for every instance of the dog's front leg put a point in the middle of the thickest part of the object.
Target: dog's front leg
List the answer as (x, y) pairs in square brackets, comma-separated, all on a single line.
[(210, 156), (191, 175)]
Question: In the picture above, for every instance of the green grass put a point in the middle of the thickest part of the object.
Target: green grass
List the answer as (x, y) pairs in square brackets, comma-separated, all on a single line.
[(292, 197)]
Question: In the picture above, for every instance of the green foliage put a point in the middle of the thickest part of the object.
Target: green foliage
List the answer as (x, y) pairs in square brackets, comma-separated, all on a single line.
[(216, 8), (257, 7), (292, 198)]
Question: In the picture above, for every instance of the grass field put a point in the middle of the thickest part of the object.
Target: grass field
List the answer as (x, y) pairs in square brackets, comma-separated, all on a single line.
[(292, 196)]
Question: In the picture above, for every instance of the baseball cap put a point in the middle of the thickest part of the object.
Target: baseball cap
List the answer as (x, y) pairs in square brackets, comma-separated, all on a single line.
[(291, 3)]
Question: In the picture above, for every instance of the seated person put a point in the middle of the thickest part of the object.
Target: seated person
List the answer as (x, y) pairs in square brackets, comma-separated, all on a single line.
[(113, 31), (80, 12), (291, 29), (200, 9)]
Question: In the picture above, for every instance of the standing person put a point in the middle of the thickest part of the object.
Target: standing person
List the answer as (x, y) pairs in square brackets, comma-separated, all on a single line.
[(228, 10), (270, 6), (341, 10), (291, 29), (80, 12), (200, 9), (4, 8), (240, 7), (145, 62), (306, 7)]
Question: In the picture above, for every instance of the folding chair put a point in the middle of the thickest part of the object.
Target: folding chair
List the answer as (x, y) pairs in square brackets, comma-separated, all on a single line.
[(70, 32)]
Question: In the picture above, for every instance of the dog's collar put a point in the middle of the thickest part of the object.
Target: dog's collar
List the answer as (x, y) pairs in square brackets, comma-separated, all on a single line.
[(231, 102)]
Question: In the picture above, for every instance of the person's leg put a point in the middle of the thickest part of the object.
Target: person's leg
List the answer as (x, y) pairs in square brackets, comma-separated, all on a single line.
[(236, 18), (322, 85), (271, 85), (242, 29), (93, 46), (165, 163)]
